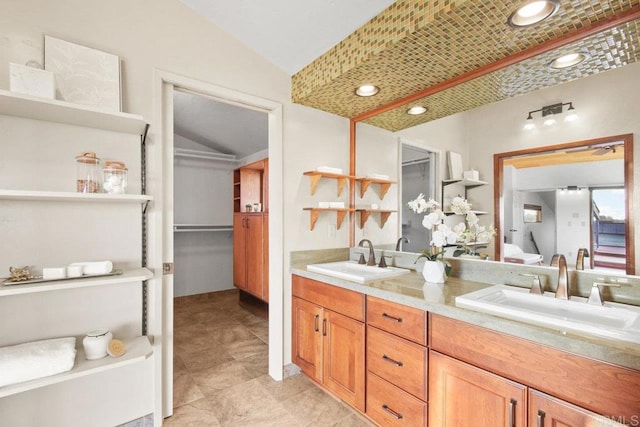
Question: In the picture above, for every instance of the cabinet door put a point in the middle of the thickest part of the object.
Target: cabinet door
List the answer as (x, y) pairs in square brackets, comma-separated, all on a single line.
[(306, 346), (239, 251), (265, 257), (465, 396), (254, 254), (547, 411), (343, 351)]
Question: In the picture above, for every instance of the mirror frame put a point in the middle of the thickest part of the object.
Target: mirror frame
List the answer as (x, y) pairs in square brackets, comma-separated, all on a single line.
[(498, 205)]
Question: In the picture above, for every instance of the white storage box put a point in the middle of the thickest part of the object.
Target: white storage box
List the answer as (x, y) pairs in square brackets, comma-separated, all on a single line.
[(472, 175)]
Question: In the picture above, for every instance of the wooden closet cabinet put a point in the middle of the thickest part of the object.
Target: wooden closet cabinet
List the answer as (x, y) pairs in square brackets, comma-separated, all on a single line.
[(328, 345), (251, 230), (248, 248)]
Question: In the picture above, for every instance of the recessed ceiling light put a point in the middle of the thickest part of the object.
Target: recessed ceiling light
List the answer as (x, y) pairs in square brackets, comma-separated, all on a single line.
[(367, 90), (533, 12), (568, 60), (418, 109)]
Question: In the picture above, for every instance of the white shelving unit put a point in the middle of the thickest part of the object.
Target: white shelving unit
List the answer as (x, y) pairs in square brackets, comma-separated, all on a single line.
[(137, 350), (130, 276), (59, 196), (189, 228), (51, 110)]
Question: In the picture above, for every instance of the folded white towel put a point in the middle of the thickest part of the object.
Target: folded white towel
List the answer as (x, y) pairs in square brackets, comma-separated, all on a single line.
[(37, 359), (94, 267)]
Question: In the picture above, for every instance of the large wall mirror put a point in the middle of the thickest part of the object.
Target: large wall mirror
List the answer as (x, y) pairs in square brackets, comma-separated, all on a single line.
[(581, 192)]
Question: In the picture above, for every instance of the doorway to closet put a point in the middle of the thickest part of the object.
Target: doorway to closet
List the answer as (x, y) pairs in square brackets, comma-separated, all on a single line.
[(220, 152)]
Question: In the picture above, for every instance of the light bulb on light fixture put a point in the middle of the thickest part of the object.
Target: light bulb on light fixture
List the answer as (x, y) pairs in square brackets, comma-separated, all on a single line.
[(571, 114), (533, 12), (549, 122), (416, 110), (367, 90)]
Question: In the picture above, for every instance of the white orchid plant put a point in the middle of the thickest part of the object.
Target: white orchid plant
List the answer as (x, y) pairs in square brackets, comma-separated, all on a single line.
[(465, 235)]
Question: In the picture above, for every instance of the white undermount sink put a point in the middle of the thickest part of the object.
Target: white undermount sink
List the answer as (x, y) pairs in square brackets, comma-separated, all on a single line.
[(351, 270), (612, 320)]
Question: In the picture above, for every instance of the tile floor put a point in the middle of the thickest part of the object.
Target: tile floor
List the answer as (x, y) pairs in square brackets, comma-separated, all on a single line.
[(220, 373)]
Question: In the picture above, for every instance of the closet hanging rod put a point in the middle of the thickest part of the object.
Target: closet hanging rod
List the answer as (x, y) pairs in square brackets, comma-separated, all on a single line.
[(181, 228), (197, 154), (415, 162)]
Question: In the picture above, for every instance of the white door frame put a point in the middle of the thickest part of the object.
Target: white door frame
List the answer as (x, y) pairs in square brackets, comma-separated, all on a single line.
[(160, 159)]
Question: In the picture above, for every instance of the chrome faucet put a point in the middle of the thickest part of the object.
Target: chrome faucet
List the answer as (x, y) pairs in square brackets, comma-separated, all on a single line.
[(582, 252), (372, 255), (400, 240), (562, 289)]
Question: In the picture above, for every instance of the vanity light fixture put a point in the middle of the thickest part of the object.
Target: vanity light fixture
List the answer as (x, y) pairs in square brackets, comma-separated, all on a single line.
[(568, 60), (418, 109), (549, 111), (367, 90), (533, 12)]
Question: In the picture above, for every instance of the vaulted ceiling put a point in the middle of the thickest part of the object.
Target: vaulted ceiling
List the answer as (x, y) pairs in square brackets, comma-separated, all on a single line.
[(454, 55)]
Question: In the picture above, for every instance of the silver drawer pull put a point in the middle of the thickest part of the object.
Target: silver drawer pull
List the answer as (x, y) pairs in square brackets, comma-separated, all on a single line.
[(512, 412), (395, 319), (540, 419), (390, 360), (393, 413)]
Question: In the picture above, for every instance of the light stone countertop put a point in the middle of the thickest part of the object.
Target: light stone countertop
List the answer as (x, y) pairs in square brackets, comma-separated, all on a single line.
[(411, 290)]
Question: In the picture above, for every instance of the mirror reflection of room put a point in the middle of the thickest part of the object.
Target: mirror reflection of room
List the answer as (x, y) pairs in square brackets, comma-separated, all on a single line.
[(564, 201), (418, 176)]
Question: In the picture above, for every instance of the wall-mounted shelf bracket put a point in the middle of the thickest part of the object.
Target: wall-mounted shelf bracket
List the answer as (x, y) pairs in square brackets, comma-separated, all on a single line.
[(316, 176), (365, 213), (314, 212), (366, 182)]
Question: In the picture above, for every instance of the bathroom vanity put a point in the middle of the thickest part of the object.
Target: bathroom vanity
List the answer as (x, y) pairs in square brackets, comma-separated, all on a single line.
[(414, 358)]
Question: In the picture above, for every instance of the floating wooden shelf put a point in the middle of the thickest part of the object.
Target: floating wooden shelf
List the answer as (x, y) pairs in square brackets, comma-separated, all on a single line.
[(384, 185), (316, 176), (51, 110), (314, 212), (138, 349), (365, 213)]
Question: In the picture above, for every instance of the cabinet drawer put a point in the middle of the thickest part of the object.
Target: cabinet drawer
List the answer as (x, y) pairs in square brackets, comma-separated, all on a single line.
[(398, 361), (340, 300), (407, 322), (387, 405)]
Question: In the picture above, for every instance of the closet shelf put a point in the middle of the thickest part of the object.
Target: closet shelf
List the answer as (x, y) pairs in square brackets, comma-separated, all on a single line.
[(62, 196), (465, 182), (185, 228), (51, 110), (448, 213), (206, 155), (138, 350), (136, 275)]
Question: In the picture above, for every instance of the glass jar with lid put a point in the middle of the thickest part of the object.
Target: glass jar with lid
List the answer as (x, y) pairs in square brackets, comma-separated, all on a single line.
[(88, 173), (114, 177)]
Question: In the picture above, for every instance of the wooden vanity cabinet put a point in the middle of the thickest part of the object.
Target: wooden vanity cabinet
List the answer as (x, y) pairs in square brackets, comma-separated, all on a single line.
[(568, 388), (463, 395), (547, 411), (396, 364), (329, 338)]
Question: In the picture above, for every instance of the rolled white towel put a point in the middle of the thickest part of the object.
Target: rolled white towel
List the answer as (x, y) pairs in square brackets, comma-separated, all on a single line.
[(37, 359), (94, 267)]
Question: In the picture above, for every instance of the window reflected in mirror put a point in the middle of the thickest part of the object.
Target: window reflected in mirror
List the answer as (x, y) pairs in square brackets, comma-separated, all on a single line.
[(532, 213)]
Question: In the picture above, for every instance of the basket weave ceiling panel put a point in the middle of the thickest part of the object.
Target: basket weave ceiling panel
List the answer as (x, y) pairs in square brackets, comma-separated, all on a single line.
[(414, 45)]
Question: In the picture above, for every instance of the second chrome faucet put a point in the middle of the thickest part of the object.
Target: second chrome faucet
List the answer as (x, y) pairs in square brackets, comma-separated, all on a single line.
[(562, 289)]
